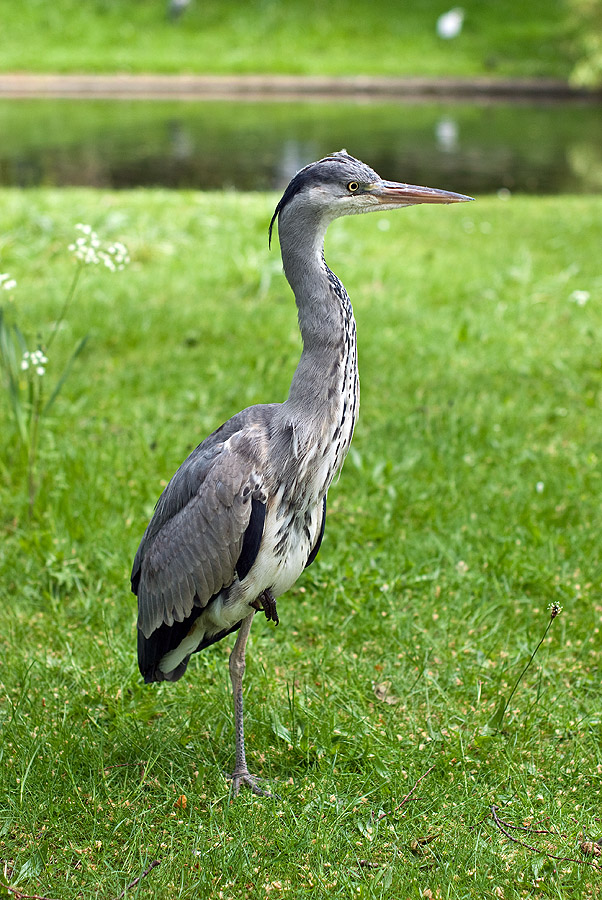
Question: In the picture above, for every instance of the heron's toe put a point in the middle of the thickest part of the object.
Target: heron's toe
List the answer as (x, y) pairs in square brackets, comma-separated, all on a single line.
[(268, 602), (239, 779)]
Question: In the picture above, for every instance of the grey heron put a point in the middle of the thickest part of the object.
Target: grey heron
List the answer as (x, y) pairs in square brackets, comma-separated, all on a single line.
[(244, 514)]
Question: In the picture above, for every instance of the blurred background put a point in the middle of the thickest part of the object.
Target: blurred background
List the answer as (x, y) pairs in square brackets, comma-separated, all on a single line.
[(484, 97)]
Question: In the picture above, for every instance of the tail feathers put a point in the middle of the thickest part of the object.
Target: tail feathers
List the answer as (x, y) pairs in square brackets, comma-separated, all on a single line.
[(166, 638), (154, 673)]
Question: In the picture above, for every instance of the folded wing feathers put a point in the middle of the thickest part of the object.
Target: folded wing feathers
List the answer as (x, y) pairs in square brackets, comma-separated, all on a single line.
[(192, 555)]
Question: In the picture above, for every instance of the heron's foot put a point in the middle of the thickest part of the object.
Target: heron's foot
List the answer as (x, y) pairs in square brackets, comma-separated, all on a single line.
[(268, 604), (243, 777)]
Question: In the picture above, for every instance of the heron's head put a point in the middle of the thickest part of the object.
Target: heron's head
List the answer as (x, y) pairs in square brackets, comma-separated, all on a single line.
[(340, 185)]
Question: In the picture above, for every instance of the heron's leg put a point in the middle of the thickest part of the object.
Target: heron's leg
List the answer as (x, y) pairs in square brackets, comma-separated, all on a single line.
[(241, 774)]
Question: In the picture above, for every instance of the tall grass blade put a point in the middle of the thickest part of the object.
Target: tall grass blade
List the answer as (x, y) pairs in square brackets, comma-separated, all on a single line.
[(65, 374)]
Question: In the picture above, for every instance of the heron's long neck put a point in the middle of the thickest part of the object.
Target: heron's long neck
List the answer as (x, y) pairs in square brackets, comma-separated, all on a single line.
[(325, 385)]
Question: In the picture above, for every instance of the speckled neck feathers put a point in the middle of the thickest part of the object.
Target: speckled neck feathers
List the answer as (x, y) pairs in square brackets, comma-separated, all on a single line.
[(323, 401)]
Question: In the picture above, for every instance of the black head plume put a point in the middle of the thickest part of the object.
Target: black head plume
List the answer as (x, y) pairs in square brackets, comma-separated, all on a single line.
[(325, 169)]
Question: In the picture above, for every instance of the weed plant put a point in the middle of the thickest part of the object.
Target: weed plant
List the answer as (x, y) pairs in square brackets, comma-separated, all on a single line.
[(470, 502), (23, 370)]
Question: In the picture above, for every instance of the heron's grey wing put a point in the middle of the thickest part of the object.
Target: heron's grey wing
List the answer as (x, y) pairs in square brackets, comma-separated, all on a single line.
[(200, 530), (193, 471)]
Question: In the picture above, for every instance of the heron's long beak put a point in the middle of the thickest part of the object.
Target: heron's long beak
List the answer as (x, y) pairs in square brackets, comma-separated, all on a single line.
[(392, 193)]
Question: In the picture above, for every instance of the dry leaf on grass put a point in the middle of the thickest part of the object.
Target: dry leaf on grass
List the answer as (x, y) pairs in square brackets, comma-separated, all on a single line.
[(382, 692), (591, 848), (419, 846)]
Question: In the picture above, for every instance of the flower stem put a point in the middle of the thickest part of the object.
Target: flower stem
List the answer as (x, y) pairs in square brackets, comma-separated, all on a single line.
[(32, 449), (520, 677), (65, 306)]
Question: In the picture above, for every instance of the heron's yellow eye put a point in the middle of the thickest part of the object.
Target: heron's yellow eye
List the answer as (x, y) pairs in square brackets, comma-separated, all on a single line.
[(352, 186)]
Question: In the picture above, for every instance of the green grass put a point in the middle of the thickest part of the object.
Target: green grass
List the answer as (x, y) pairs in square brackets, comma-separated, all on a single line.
[(480, 379), (343, 37)]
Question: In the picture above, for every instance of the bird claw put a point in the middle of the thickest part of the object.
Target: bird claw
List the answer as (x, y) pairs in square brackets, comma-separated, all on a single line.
[(267, 602), (250, 781)]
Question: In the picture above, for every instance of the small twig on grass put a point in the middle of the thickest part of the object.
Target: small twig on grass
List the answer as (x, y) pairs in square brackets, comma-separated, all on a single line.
[(503, 827), (408, 796), (153, 865), (19, 896), (530, 830)]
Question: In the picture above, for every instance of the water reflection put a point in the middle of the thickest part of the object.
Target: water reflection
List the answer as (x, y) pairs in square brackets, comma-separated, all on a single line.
[(446, 134), (258, 146)]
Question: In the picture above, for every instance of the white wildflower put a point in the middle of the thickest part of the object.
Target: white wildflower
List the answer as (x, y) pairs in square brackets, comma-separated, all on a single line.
[(115, 257), (6, 282), (554, 609), (89, 250), (579, 297), (85, 247), (35, 360), (539, 487)]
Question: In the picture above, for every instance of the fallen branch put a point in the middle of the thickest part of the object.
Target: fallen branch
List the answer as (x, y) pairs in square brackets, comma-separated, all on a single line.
[(20, 896), (503, 827), (529, 828), (408, 796), (153, 865), (16, 891)]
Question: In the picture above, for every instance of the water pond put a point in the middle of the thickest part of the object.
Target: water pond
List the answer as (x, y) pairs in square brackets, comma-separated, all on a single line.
[(207, 145)]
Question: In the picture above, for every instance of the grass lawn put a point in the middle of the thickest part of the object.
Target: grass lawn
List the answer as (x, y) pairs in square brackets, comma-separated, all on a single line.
[(343, 37), (469, 503)]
